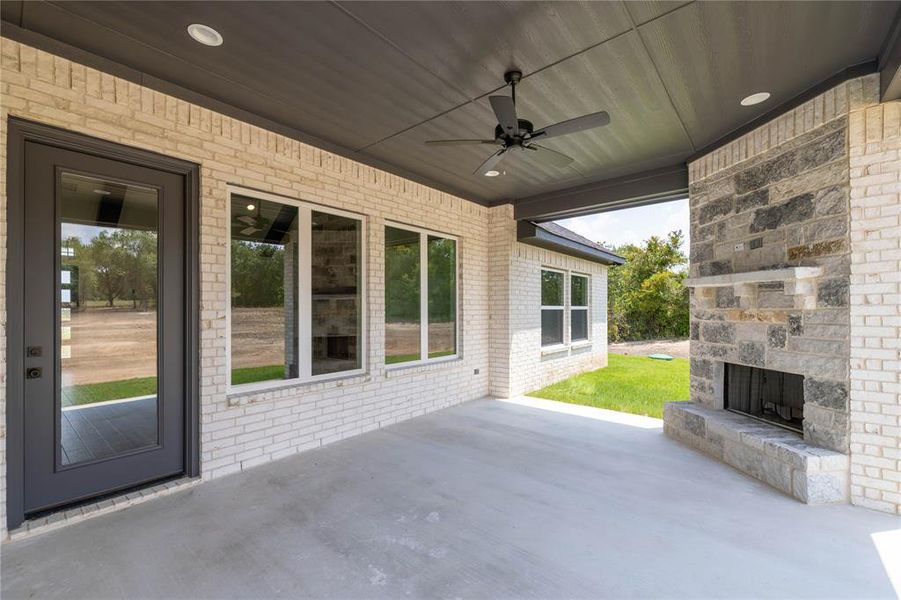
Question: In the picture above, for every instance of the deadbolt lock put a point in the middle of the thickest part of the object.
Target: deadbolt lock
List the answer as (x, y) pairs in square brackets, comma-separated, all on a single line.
[(33, 373)]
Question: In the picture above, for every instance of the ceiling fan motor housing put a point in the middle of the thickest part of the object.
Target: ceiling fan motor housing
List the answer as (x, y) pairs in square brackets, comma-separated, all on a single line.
[(525, 128)]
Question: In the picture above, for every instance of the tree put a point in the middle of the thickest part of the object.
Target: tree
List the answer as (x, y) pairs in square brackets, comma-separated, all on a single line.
[(257, 274), (646, 298), (110, 267)]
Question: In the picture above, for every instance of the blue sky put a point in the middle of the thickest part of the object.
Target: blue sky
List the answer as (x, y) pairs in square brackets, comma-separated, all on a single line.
[(633, 225)]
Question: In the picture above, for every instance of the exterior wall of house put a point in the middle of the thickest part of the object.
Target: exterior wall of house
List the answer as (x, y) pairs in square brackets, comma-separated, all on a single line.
[(524, 367), (832, 166), (247, 429), (875, 171)]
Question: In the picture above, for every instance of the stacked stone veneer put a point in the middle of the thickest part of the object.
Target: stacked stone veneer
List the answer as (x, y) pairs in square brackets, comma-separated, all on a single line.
[(241, 430), (785, 207), (816, 187)]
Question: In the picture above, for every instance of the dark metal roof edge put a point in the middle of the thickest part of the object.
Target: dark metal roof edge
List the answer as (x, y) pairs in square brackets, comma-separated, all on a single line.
[(529, 233)]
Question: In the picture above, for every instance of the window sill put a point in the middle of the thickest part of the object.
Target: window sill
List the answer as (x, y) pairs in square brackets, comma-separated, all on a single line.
[(248, 393), (406, 367), (580, 344), (555, 349)]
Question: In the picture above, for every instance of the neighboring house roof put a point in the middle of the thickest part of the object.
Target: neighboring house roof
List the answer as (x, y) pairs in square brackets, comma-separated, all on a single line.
[(560, 239)]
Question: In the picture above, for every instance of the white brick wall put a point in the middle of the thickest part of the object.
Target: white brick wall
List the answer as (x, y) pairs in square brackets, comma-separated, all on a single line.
[(875, 171), (246, 430), (523, 368)]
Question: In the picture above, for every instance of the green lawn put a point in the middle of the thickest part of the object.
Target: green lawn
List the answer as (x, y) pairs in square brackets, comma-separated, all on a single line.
[(633, 384), (88, 393)]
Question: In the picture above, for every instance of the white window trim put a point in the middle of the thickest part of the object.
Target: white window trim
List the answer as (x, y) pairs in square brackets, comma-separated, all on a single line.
[(562, 344), (424, 298), (304, 301), (586, 307)]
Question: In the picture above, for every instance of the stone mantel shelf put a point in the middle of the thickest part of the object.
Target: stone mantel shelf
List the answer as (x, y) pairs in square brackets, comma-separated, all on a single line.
[(799, 282), (787, 274)]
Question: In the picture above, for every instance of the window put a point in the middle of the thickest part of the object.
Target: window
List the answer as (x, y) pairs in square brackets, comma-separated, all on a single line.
[(578, 308), (420, 295), (336, 275), (551, 308), (296, 291)]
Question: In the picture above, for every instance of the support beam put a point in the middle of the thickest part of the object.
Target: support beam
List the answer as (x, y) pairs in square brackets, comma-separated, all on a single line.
[(648, 187), (890, 63)]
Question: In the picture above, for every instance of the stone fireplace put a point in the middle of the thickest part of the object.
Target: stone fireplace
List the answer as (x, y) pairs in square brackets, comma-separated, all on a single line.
[(770, 319)]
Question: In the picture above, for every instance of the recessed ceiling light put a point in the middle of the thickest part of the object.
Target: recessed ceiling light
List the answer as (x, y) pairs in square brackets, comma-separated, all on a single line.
[(492, 173), (205, 34), (251, 207), (755, 99)]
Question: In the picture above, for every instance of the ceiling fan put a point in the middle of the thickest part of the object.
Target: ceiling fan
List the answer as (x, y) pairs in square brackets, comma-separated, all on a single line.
[(512, 132)]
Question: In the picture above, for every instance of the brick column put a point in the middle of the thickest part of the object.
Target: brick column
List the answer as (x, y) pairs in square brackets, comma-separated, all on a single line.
[(875, 172)]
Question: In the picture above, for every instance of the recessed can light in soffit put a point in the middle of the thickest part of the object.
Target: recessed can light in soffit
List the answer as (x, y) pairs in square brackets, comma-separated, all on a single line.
[(204, 34), (492, 173), (755, 98)]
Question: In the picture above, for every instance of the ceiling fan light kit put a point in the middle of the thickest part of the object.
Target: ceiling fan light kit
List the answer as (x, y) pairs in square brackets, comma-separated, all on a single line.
[(512, 132)]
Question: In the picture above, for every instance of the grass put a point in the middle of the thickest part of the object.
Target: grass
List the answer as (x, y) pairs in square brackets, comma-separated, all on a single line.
[(632, 384), (89, 393)]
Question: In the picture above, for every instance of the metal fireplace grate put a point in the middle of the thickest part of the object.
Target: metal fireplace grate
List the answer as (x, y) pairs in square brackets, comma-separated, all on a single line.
[(771, 396)]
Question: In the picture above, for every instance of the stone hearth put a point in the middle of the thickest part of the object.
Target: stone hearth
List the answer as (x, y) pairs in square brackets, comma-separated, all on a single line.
[(778, 457)]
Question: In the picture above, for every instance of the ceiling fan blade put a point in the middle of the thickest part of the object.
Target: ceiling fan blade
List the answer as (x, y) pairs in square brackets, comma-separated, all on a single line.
[(558, 159), (491, 162), (458, 142), (582, 123), (505, 111)]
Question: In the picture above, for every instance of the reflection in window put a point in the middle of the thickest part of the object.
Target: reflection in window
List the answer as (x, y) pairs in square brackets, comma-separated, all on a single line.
[(108, 285), (336, 277), (264, 317), (442, 294), (404, 311), (402, 289), (551, 308), (578, 308)]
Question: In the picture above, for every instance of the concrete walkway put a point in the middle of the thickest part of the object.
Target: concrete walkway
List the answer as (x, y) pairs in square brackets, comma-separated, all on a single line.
[(484, 500)]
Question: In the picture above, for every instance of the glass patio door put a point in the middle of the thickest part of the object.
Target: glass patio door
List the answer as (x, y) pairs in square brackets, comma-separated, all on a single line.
[(104, 326)]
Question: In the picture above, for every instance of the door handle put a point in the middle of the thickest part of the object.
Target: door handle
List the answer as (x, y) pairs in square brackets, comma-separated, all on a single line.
[(33, 373)]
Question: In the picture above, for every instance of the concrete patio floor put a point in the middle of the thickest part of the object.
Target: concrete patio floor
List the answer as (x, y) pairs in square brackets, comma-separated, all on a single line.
[(488, 499)]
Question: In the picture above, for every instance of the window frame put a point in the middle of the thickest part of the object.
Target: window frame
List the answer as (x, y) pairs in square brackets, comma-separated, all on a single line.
[(586, 307), (424, 297), (562, 308), (304, 293)]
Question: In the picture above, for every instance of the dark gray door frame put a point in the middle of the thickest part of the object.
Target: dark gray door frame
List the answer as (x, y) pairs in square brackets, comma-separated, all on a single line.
[(20, 132)]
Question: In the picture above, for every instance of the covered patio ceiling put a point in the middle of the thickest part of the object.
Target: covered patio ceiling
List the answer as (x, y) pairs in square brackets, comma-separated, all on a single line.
[(373, 81)]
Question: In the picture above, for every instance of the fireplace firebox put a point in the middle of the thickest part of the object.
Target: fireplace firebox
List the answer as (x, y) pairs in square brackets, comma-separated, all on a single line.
[(771, 396)]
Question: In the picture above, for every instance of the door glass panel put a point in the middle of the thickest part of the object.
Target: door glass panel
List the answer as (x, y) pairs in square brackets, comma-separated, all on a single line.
[(107, 318)]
